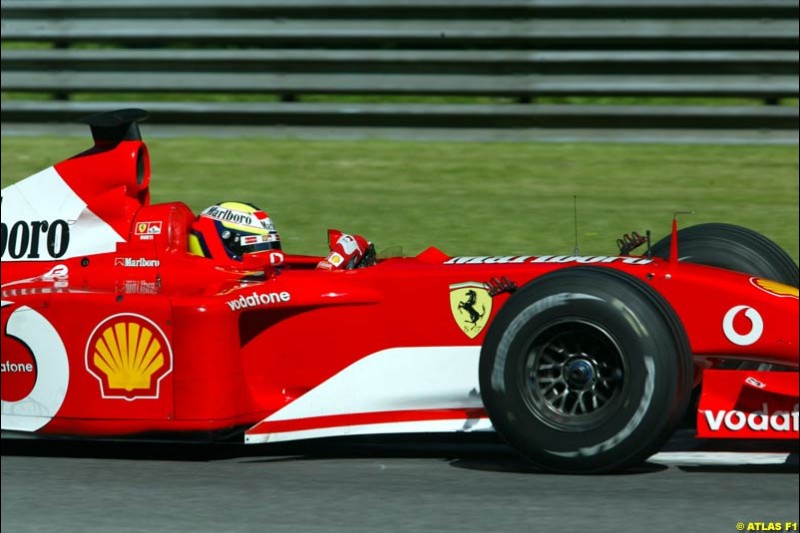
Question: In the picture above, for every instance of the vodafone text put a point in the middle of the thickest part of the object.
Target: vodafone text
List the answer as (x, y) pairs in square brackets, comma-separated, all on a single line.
[(756, 421), (16, 368), (258, 299)]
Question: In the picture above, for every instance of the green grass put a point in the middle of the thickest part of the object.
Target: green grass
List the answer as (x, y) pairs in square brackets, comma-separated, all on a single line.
[(466, 198)]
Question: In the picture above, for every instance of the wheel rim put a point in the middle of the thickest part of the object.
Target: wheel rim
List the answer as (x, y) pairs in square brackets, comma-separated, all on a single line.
[(574, 375)]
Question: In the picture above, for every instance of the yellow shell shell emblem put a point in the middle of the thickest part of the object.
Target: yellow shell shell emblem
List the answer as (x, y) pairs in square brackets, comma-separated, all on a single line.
[(129, 355), (471, 305), (776, 288)]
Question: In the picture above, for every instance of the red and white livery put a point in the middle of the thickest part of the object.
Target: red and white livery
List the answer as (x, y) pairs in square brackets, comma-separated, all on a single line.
[(584, 364)]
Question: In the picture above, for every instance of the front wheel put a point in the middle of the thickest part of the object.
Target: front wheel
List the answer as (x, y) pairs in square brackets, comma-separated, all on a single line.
[(585, 370)]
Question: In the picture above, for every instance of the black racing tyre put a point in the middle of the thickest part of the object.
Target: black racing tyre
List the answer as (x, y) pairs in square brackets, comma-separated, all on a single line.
[(586, 370), (734, 248)]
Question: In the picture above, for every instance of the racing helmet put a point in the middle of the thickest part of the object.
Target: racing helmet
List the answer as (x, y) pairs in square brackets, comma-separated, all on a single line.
[(229, 230)]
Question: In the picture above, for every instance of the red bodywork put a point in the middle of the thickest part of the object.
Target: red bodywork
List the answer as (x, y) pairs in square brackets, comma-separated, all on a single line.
[(142, 337)]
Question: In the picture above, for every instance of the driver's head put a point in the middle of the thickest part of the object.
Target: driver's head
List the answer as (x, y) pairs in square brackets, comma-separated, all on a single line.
[(228, 230)]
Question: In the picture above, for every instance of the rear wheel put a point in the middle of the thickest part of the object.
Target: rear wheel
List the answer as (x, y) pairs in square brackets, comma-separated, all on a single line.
[(585, 370), (734, 248)]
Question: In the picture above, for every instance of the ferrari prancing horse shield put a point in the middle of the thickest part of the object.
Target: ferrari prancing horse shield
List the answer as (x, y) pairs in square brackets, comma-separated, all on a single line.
[(471, 305)]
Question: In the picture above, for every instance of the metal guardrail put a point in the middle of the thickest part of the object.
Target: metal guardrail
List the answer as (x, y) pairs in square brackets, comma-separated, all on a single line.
[(518, 49)]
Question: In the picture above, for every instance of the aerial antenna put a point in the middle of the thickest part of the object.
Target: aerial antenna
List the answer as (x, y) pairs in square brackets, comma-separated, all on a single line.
[(673, 242), (575, 209)]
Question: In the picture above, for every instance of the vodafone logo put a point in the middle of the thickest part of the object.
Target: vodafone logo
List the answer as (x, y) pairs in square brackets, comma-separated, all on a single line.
[(737, 336), (256, 299), (35, 371), (735, 420)]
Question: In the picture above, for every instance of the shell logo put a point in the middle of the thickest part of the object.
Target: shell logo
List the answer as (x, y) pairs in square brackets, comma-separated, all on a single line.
[(129, 355), (774, 287)]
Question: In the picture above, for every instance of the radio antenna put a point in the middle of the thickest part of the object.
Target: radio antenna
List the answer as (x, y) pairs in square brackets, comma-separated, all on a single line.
[(575, 209)]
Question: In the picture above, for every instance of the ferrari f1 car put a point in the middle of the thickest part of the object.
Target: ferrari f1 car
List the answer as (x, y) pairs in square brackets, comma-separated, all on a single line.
[(111, 328)]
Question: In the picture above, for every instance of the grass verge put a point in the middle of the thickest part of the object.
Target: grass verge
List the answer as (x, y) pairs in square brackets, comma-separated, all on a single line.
[(466, 198)]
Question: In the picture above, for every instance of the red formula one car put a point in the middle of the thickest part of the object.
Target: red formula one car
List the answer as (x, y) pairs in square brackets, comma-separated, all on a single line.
[(110, 327)]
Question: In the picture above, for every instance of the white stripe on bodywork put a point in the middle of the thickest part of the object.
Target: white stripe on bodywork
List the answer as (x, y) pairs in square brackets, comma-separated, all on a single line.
[(397, 379), (423, 426), (719, 458), (46, 196)]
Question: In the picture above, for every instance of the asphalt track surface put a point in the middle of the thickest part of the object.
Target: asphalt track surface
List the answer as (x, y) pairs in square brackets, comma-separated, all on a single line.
[(399, 484)]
